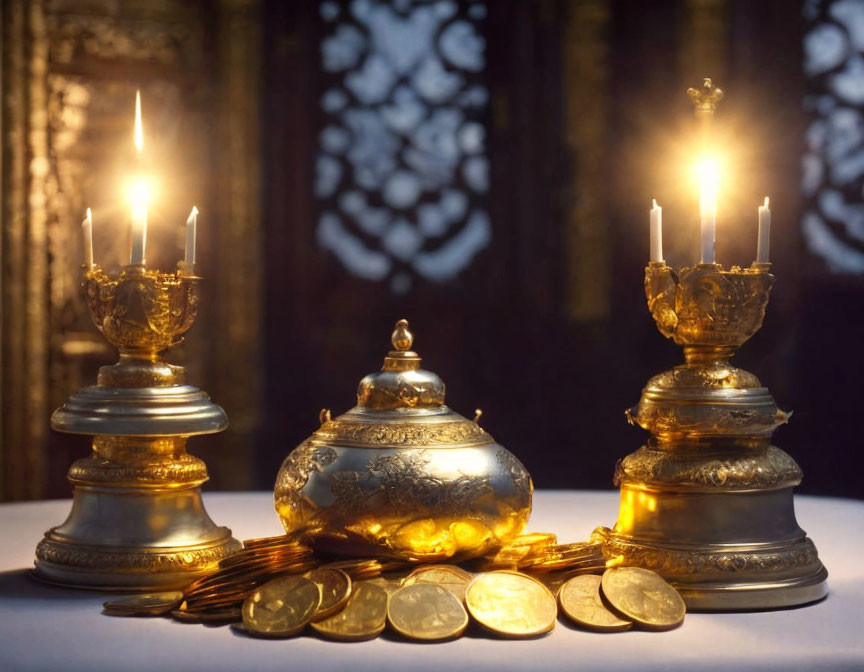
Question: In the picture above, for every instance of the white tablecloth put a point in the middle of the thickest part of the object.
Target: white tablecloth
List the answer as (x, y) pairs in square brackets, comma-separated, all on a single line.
[(46, 628)]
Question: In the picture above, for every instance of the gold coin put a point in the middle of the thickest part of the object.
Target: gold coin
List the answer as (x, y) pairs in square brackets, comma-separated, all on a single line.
[(335, 588), (511, 604), (581, 602), (148, 604), (643, 596), (535, 539), (450, 577), (426, 612), (184, 616), (362, 618), (282, 607), (221, 616), (390, 584)]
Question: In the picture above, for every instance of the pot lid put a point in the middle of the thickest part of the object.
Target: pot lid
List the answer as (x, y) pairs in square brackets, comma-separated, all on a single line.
[(401, 405)]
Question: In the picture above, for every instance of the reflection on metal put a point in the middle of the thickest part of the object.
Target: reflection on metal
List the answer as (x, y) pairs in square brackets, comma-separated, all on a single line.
[(137, 519), (401, 474), (69, 71), (833, 163), (402, 165), (707, 502)]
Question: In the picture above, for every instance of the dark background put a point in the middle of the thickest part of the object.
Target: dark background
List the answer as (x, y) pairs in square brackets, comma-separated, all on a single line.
[(553, 386), (547, 330)]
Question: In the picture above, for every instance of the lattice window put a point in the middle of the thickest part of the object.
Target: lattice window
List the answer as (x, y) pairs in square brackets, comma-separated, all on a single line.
[(402, 170), (833, 164)]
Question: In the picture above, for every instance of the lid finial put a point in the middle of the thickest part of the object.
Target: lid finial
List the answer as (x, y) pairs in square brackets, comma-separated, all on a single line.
[(401, 338)]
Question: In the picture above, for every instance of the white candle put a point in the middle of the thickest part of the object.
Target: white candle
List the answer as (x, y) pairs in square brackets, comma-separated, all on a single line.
[(656, 232), (764, 233), (138, 196), (139, 222), (708, 209), (87, 235), (191, 235)]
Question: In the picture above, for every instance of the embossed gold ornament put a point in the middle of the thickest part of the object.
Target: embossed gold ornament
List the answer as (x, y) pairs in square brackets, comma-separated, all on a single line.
[(511, 604), (707, 501), (450, 577), (141, 414), (401, 475), (335, 586), (580, 601), (364, 616), (147, 604), (426, 612), (282, 607), (644, 597), (711, 425)]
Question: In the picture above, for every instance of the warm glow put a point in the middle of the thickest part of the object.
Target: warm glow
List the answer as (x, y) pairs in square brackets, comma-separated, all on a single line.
[(766, 202), (139, 131), (708, 174), (139, 192)]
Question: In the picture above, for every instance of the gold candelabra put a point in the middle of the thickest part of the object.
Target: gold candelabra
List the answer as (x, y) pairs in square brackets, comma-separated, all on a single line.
[(137, 520), (707, 502)]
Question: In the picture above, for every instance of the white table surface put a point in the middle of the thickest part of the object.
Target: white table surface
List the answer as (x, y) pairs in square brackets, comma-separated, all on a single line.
[(46, 628)]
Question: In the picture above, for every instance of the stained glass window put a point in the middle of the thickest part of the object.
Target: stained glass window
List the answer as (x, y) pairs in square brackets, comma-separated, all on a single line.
[(833, 164), (401, 170)]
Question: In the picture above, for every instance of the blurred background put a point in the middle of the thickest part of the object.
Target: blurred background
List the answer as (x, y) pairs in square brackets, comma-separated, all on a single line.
[(484, 169)]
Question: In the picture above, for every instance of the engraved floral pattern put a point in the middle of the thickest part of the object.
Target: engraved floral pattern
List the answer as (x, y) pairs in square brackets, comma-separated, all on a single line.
[(519, 475), (666, 562), (768, 469), (462, 432), (296, 469)]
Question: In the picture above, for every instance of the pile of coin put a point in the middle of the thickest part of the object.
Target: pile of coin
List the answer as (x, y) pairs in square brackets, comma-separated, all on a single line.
[(278, 587)]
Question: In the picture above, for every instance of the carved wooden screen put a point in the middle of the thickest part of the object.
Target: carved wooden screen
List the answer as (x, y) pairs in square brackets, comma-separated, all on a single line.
[(833, 163), (401, 169)]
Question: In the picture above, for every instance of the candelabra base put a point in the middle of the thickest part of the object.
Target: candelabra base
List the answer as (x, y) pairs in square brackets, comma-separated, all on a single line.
[(733, 577), (719, 526), (137, 520)]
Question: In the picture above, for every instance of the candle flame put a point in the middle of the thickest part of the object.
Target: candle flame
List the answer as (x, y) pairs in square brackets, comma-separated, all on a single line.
[(654, 203), (89, 216), (193, 214), (139, 131), (139, 192), (766, 202), (708, 173)]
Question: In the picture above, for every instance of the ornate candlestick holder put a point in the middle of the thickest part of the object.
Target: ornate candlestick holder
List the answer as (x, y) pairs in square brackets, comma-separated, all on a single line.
[(137, 520), (707, 502)]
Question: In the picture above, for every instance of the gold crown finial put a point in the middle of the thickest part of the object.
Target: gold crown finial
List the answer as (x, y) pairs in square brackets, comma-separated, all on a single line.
[(402, 338), (706, 97)]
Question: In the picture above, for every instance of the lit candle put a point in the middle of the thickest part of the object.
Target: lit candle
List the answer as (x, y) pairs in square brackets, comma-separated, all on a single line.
[(138, 196), (764, 233), (87, 235), (656, 232), (191, 234), (707, 208)]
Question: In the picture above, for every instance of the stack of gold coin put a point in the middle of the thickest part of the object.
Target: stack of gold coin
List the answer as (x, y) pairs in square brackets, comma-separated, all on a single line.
[(217, 597), (522, 548), (276, 587), (583, 557)]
